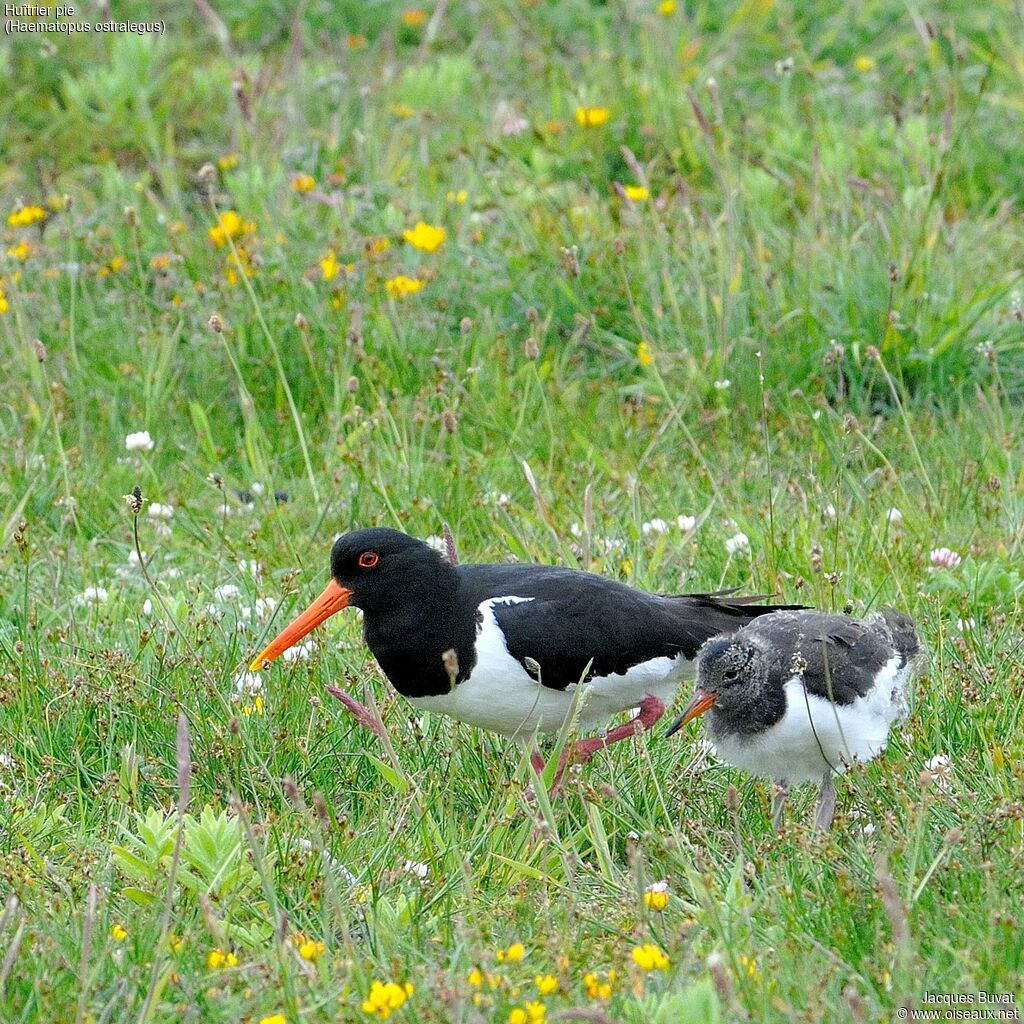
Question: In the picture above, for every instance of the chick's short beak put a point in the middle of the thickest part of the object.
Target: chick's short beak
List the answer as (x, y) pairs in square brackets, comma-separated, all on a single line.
[(702, 700)]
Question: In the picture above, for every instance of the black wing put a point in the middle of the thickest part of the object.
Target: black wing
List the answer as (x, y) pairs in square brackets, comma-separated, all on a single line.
[(575, 625), (837, 656)]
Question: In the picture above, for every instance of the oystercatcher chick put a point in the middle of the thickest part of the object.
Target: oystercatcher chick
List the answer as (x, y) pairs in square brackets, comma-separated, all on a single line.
[(801, 695), (506, 647)]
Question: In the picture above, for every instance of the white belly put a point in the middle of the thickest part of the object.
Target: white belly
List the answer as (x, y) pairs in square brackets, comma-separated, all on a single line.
[(502, 697), (816, 735)]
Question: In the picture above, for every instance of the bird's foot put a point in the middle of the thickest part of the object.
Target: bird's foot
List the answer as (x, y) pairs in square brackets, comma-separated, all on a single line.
[(826, 804), (363, 715), (779, 805), (651, 709)]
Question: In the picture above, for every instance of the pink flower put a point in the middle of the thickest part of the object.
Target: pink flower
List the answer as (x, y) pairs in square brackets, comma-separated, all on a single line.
[(945, 558)]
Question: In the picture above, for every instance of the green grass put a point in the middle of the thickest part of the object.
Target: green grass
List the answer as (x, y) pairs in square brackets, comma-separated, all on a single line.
[(833, 229)]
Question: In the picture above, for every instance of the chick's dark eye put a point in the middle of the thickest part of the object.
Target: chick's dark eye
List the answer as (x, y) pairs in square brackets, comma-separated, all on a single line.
[(731, 673), (368, 559)]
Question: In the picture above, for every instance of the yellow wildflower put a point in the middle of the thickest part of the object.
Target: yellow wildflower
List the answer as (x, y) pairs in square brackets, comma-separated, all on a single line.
[(400, 286), (546, 984), (118, 932), (596, 988), (414, 17), (650, 957), (514, 952), (385, 998), (4, 304), (402, 110), (749, 964), (228, 162), (667, 7), (159, 262), (175, 942), (476, 977), (425, 236), (865, 63), (375, 246), (57, 203), (554, 126), (531, 1013), (229, 225), (256, 707), (591, 117), (23, 216), (457, 197), (118, 263), (274, 1018), (356, 41), (217, 958), (303, 183), (656, 896), (330, 266), (644, 354), (311, 950), (20, 251), (638, 193)]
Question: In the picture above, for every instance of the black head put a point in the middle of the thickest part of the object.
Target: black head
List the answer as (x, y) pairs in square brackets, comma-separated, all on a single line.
[(376, 570), (381, 567)]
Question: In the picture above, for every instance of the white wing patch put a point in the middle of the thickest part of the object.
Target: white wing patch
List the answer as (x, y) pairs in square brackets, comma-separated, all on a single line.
[(501, 696)]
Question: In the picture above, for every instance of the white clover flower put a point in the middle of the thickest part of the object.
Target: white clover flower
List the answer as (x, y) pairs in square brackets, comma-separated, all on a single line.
[(414, 867), (134, 560), (300, 652), (140, 441), (147, 607), (653, 526), (6, 761), (437, 543), (687, 523), (158, 511), (737, 542), (249, 684), (94, 595), (226, 592), (829, 511), (945, 558), (257, 488), (722, 385), (576, 530), (895, 516), (265, 606), (249, 565), (940, 768)]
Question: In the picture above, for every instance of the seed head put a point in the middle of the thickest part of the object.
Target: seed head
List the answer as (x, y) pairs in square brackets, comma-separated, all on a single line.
[(216, 323), (135, 500)]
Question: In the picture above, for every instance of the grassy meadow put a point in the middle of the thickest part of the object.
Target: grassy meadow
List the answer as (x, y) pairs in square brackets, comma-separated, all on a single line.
[(694, 295)]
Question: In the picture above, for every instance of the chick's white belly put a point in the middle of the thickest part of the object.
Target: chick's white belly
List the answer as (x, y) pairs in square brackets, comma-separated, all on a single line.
[(501, 696), (815, 735)]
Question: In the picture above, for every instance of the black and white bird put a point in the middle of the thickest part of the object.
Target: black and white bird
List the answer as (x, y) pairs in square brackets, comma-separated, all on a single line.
[(801, 695), (505, 647)]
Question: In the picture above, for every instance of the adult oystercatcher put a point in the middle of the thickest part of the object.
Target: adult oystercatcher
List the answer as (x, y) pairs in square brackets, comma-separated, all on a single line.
[(505, 647), (800, 695)]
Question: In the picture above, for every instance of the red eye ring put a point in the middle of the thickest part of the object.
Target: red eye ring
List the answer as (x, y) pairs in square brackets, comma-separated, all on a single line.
[(368, 559)]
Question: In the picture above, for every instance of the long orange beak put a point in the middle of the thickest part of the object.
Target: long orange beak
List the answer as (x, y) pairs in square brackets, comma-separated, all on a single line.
[(702, 700), (333, 599)]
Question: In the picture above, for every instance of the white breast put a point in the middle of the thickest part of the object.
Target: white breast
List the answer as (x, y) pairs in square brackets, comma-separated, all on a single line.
[(815, 735), (502, 697)]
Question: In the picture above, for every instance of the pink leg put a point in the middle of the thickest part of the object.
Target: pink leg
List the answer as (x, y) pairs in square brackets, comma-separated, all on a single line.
[(364, 716), (651, 709)]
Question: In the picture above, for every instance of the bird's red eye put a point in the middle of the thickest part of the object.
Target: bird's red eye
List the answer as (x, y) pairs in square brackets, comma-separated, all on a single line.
[(368, 559)]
